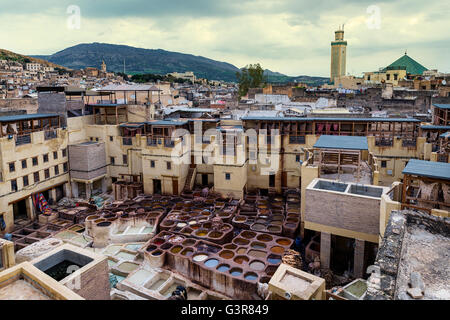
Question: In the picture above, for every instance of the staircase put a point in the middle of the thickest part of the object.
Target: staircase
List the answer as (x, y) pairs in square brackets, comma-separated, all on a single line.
[(189, 179)]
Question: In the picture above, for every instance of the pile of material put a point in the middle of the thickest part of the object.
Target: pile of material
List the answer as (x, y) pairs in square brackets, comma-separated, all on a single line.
[(293, 259)]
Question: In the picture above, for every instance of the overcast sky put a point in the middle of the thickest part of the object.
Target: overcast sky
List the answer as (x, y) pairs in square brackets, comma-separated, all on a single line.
[(289, 36)]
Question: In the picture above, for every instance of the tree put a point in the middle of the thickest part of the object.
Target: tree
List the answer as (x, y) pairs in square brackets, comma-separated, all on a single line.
[(251, 76)]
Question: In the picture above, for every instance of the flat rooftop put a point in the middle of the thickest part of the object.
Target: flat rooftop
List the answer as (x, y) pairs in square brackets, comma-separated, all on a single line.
[(429, 169), (342, 142)]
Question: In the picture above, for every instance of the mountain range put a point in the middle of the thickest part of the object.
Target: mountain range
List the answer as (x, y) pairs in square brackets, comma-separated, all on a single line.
[(157, 61)]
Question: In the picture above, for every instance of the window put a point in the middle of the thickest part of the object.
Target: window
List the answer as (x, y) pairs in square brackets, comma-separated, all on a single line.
[(45, 157), (152, 163), (36, 177), (227, 176), (55, 155), (383, 164), (112, 160), (125, 159), (395, 76), (65, 167), (25, 181), (35, 161), (388, 77), (169, 165), (12, 167), (24, 164), (92, 139), (64, 152), (252, 155), (14, 185), (56, 170), (96, 139), (47, 173), (297, 158), (111, 138)]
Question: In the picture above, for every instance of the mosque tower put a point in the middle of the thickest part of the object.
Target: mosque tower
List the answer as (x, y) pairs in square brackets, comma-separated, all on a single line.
[(338, 54)]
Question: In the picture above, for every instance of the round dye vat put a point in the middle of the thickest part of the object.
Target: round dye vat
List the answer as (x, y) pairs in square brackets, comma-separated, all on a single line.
[(241, 259), (189, 242), (240, 219), (158, 241), (274, 228), (257, 253), (264, 279), (283, 242), (271, 271), (242, 250), (277, 249), (226, 254), (200, 257), (250, 276), (201, 233), (181, 225), (258, 245), (187, 252), (230, 246), (157, 253), (151, 248), (277, 223), (236, 272), (290, 225), (215, 234), (274, 259), (257, 265), (223, 268), (176, 249), (264, 238), (258, 227), (166, 246), (248, 234), (241, 242), (211, 263)]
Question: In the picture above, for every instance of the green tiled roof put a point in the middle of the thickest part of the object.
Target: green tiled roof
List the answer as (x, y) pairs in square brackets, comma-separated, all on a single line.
[(411, 65)]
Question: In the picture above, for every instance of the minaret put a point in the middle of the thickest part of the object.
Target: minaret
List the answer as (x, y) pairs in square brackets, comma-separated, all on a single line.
[(338, 54), (103, 66)]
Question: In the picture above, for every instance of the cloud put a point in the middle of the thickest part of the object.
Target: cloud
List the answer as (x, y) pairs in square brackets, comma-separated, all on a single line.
[(288, 36)]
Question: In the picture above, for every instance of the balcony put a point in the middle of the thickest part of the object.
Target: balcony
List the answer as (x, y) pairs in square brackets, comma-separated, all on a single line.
[(384, 142), (50, 134), (23, 139)]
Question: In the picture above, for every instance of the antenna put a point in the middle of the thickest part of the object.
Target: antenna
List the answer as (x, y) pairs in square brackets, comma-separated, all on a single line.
[(343, 26)]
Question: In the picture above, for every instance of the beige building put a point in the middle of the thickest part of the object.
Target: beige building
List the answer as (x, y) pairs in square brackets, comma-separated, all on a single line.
[(338, 55)]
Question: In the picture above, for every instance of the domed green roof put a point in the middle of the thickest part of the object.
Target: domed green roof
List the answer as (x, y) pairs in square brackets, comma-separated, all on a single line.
[(408, 63)]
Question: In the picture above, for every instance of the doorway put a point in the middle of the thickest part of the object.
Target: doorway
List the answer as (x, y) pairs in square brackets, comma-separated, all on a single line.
[(175, 186), (20, 210), (157, 186), (272, 181), (204, 180)]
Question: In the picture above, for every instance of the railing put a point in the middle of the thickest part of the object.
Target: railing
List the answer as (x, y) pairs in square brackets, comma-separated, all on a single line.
[(297, 139), (23, 139), (127, 141), (50, 134), (409, 143), (384, 142), (442, 157), (169, 143), (152, 142)]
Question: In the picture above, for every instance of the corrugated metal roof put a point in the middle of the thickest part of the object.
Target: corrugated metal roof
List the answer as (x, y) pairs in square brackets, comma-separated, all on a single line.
[(430, 169), (167, 123), (441, 105), (32, 116), (445, 135), (374, 119), (132, 125), (342, 142), (434, 127)]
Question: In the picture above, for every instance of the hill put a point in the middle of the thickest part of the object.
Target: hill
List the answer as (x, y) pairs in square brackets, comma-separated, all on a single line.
[(11, 56), (154, 61)]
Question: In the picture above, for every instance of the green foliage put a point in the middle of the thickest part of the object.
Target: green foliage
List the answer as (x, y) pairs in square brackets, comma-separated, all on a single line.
[(252, 76), (150, 77)]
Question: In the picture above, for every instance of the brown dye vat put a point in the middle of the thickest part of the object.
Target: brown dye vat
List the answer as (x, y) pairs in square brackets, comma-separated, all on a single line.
[(257, 265), (291, 225), (226, 254), (257, 253), (241, 250), (283, 242), (188, 242), (240, 219), (230, 246), (241, 259), (270, 271), (260, 220), (215, 234), (293, 220), (276, 223), (241, 242), (248, 234), (273, 228), (265, 279), (264, 238), (277, 249)]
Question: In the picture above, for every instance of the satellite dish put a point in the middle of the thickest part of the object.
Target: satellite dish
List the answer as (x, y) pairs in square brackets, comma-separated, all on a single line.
[(444, 82)]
